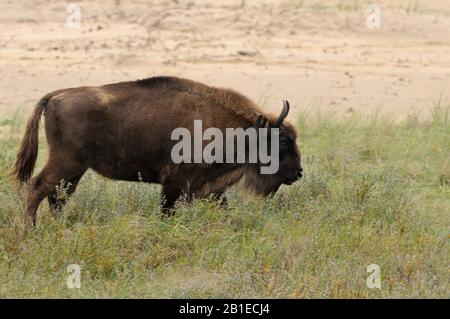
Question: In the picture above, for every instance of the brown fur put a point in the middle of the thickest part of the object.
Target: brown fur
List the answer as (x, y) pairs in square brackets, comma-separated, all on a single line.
[(122, 131)]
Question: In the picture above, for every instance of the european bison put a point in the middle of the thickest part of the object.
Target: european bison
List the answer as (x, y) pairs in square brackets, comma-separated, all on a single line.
[(123, 131)]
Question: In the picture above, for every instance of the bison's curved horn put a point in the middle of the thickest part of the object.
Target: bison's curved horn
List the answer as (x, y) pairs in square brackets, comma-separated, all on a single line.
[(283, 114), (261, 121)]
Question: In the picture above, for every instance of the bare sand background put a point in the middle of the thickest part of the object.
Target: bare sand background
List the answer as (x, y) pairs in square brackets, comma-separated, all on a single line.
[(318, 54)]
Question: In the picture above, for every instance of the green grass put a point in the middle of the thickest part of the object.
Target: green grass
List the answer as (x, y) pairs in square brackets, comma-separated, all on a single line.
[(375, 192)]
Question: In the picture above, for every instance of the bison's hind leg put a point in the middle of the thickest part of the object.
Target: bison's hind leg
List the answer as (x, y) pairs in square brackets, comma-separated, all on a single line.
[(45, 185), (58, 198), (220, 198)]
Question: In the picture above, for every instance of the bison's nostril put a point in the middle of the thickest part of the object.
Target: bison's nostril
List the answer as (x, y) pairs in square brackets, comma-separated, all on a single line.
[(299, 173)]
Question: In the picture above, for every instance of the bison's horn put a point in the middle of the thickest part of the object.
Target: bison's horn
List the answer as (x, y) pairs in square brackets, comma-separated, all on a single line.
[(283, 114)]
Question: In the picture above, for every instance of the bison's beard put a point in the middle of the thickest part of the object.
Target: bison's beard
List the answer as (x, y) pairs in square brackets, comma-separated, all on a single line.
[(262, 185)]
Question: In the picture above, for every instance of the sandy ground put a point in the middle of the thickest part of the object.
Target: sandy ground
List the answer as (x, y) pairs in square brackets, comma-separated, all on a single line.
[(318, 54)]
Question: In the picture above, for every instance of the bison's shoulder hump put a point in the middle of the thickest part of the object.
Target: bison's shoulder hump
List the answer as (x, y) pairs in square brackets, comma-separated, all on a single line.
[(171, 83)]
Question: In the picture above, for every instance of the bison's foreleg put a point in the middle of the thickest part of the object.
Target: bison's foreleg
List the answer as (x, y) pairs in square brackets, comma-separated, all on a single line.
[(220, 198), (169, 195)]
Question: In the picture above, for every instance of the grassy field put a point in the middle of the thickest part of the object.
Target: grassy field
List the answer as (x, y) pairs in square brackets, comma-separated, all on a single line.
[(374, 192)]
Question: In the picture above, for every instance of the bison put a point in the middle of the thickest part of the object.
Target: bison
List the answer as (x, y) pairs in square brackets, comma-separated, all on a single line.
[(123, 132)]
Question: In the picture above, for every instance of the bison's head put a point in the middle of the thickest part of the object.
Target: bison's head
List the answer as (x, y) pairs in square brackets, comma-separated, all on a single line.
[(289, 169)]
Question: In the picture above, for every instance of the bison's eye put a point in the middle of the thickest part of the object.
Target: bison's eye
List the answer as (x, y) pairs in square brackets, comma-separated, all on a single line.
[(284, 141), (285, 147)]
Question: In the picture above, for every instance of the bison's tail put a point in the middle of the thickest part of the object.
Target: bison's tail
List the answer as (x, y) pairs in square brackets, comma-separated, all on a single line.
[(26, 158)]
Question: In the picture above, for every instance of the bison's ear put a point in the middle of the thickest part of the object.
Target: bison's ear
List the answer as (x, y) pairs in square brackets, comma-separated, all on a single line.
[(261, 121)]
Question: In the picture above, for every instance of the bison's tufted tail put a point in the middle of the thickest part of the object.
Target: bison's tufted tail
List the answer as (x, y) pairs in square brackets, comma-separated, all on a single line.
[(26, 158)]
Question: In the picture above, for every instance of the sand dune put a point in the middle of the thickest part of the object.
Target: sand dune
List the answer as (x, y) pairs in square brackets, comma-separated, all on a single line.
[(318, 54)]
